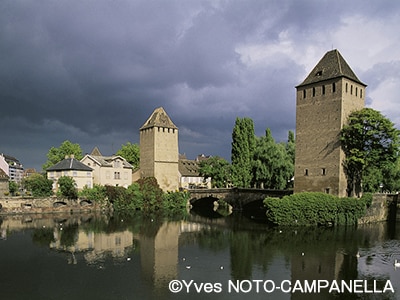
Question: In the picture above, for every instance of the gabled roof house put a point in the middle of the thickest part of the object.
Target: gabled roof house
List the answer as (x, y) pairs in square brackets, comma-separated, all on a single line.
[(111, 170), (81, 173), (189, 175)]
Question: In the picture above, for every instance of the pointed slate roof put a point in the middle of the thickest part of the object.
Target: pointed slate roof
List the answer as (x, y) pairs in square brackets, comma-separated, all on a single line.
[(159, 118), (332, 65), (69, 164)]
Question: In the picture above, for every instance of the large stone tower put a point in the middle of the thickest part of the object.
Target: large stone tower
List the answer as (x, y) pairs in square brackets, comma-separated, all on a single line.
[(159, 151), (324, 101)]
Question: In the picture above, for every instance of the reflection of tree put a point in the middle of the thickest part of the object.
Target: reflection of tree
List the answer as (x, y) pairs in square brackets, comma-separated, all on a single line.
[(43, 236), (241, 256), (213, 239), (69, 235)]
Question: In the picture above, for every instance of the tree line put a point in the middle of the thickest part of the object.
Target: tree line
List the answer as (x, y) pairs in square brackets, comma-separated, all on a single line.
[(369, 140), (258, 162)]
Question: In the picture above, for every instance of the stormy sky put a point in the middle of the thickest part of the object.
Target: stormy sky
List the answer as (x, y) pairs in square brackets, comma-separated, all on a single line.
[(92, 72)]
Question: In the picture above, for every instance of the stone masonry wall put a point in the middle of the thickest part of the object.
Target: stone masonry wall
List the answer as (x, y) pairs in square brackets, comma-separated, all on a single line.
[(382, 208), (29, 205)]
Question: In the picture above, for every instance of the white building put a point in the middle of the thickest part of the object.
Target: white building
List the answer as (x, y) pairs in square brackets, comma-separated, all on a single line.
[(109, 170)]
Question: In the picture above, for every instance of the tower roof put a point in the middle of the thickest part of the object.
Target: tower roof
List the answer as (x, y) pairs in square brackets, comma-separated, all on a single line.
[(331, 66), (159, 118)]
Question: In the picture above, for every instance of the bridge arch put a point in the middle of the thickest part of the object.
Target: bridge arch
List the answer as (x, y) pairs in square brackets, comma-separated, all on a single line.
[(238, 198)]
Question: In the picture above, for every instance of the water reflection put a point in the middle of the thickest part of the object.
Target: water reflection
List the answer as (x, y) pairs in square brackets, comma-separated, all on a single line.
[(120, 257)]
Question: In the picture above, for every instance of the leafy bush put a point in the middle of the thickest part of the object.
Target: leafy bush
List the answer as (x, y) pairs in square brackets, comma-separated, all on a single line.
[(68, 187), (95, 194), (175, 202), (314, 209), (38, 185), (147, 196)]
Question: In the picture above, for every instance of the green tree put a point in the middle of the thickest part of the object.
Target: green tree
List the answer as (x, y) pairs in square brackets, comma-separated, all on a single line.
[(272, 165), (216, 168), (131, 153), (243, 143), (96, 194), (12, 187), (56, 155), (371, 145), (291, 146), (291, 152), (67, 187), (38, 185)]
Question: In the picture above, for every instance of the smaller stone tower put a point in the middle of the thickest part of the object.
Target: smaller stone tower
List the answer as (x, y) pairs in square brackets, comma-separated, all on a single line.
[(159, 153)]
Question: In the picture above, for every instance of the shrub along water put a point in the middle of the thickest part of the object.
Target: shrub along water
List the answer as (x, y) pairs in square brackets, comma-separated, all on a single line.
[(144, 195), (315, 209)]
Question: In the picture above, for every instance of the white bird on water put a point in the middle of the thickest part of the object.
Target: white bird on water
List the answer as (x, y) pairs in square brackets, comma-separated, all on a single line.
[(396, 264)]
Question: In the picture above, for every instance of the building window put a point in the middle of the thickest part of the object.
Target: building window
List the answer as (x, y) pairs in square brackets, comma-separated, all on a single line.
[(327, 190), (117, 175), (306, 172), (304, 94), (323, 171), (347, 86), (323, 90), (88, 174), (74, 173), (351, 90), (356, 91), (333, 87), (313, 91), (360, 93)]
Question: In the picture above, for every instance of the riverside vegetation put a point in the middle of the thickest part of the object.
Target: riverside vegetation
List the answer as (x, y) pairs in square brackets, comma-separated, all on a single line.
[(144, 195), (316, 209)]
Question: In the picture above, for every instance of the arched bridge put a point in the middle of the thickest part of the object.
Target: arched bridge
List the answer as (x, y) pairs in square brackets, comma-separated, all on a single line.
[(236, 197)]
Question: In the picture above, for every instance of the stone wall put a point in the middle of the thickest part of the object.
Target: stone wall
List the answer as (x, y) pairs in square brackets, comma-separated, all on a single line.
[(4, 187), (30, 205), (383, 208)]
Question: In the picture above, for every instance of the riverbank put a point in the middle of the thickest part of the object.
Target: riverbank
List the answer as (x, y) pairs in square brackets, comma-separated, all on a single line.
[(30, 205)]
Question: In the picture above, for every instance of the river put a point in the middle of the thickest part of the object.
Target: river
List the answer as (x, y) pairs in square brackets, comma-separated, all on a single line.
[(93, 256)]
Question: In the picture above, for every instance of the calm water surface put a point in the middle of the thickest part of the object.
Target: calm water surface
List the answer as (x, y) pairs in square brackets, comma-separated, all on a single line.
[(101, 257)]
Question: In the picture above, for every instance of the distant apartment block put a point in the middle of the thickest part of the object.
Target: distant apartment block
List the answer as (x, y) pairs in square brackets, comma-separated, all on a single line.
[(12, 167)]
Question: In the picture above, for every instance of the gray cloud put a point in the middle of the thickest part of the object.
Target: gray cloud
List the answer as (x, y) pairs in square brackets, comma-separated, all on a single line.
[(93, 71)]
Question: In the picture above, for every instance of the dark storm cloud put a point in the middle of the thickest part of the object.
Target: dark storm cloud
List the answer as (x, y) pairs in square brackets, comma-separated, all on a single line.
[(93, 71)]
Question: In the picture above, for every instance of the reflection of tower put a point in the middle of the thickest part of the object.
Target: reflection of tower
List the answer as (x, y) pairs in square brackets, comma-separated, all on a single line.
[(324, 100), (159, 152), (316, 266), (159, 254)]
